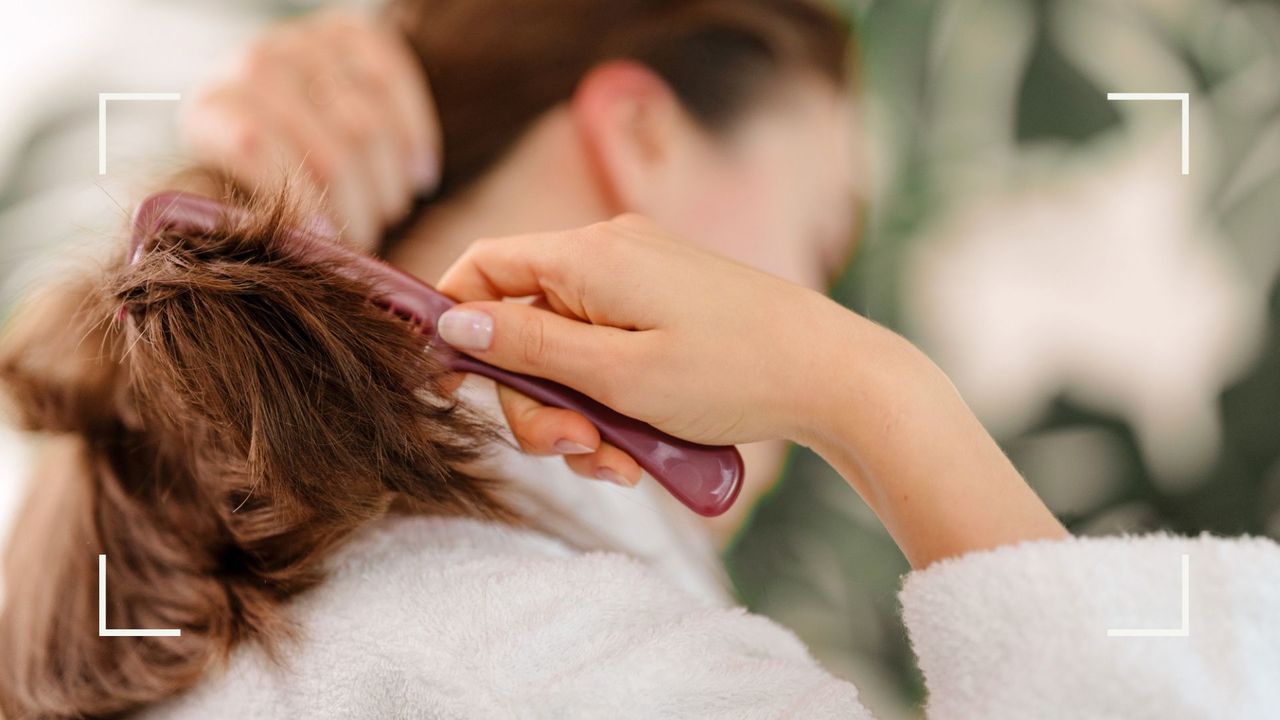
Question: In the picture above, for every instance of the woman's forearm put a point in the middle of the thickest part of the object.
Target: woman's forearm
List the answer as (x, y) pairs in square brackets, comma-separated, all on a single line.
[(894, 426)]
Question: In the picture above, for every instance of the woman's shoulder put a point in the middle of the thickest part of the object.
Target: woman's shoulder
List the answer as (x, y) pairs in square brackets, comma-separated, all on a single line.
[(469, 619), (440, 580), (396, 541), (425, 575)]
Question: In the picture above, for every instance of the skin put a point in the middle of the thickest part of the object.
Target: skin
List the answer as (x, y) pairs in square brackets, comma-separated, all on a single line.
[(333, 104), (639, 319), (774, 191)]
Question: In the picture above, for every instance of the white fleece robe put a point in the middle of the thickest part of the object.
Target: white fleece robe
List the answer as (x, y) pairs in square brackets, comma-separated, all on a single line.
[(448, 618)]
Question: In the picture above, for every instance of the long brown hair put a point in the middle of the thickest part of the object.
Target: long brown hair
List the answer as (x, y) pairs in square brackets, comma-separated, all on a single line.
[(250, 410), (248, 413)]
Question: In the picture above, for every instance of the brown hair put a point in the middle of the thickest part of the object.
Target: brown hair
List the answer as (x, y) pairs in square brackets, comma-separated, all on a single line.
[(251, 410), (495, 67)]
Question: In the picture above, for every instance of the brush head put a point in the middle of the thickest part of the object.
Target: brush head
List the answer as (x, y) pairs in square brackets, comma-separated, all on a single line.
[(398, 291)]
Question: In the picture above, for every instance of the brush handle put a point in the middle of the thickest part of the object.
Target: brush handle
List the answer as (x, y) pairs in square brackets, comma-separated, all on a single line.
[(705, 478)]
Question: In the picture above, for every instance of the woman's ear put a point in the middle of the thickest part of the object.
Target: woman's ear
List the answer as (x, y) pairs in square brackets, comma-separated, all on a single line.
[(630, 123)]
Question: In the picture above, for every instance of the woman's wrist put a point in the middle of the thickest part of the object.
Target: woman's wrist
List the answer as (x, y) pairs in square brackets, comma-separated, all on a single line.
[(845, 365), (890, 421), (858, 395)]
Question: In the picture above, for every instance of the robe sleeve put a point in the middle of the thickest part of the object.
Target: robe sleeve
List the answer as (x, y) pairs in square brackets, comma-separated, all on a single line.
[(1101, 628)]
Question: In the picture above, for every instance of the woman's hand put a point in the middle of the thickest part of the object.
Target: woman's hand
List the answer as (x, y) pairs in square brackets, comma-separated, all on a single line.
[(712, 351), (332, 103), (697, 345), (678, 339)]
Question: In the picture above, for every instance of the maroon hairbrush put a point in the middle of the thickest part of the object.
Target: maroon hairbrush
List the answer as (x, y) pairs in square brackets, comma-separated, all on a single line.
[(705, 478)]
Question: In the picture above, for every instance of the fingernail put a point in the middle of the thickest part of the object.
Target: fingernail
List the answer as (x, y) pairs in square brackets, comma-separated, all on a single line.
[(569, 447), (611, 475), (466, 329), (425, 172)]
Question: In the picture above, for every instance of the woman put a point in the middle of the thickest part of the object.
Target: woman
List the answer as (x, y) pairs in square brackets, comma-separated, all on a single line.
[(218, 495), (260, 478), (1009, 616), (729, 122)]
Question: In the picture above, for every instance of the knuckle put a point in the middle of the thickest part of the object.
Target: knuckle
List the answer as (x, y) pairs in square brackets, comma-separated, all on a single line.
[(482, 248), (522, 432), (629, 219), (532, 342), (632, 225), (602, 228), (597, 239)]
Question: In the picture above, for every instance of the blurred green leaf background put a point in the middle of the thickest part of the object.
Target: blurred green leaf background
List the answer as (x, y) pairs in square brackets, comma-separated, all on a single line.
[(1115, 323)]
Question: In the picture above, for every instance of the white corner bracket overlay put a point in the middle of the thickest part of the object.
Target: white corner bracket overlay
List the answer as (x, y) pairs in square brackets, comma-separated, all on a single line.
[(1185, 99), (1184, 630), (103, 99), (103, 630)]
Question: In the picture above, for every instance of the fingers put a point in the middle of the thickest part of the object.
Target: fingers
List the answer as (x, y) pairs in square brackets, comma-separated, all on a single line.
[(336, 97), (552, 267), (597, 273), (333, 83), (365, 111), (407, 94), (543, 430), (292, 92), (360, 180), (229, 128), (609, 464), (511, 267), (531, 340)]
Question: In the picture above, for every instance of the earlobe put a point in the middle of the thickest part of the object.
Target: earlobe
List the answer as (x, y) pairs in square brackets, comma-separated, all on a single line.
[(627, 118)]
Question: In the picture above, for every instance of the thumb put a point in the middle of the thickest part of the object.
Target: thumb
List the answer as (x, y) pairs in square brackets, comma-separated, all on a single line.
[(530, 340)]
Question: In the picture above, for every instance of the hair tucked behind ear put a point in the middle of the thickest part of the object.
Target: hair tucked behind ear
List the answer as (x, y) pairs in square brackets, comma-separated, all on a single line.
[(249, 414)]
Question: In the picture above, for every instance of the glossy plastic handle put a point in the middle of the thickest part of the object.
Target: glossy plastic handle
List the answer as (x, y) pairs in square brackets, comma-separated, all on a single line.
[(705, 478)]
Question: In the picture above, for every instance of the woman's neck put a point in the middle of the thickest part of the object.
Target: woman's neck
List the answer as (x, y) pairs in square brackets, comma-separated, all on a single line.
[(545, 183)]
